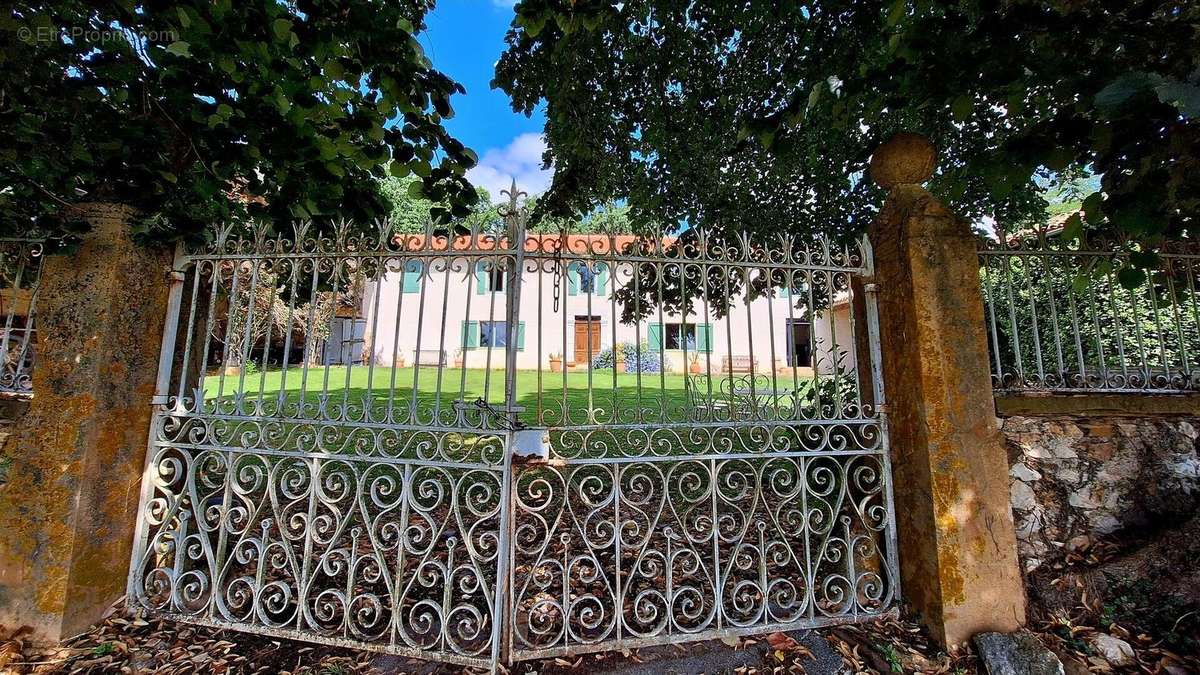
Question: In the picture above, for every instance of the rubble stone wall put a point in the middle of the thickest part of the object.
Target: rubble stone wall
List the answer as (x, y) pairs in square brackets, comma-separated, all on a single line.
[(1076, 478)]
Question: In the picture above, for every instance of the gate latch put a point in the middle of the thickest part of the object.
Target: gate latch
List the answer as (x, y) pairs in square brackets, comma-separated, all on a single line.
[(531, 444)]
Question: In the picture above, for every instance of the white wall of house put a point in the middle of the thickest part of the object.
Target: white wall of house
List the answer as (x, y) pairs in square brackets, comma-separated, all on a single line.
[(455, 314)]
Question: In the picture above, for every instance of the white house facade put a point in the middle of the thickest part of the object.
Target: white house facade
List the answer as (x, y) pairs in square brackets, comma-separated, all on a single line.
[(438, 313)]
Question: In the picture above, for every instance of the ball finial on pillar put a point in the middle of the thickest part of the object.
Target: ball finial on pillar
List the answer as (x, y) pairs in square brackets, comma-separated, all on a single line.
[(906, 159)]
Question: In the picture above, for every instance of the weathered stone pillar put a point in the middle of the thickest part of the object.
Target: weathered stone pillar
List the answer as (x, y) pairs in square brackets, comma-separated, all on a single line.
[(68, 510), (958, 554)]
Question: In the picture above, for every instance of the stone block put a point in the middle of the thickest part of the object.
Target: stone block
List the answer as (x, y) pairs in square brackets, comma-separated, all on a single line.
[(68, 510), (1016, 654)]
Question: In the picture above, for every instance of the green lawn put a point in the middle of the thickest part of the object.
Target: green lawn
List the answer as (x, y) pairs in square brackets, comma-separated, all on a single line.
[(542, 395), (406, 398)]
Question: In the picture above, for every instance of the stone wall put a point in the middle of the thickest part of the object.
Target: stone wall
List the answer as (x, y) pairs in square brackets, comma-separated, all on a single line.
[(1078, 478)]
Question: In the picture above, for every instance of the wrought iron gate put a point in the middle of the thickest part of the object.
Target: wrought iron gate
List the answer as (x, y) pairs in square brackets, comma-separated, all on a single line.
[(465, 492)]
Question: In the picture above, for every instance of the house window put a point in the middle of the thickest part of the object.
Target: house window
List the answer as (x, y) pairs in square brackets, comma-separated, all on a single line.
[(493, 334), (477, 334), (496, 280), (412, 277), (584, 279), (587, 279), (690, 336), (680, 336), (489, 277)]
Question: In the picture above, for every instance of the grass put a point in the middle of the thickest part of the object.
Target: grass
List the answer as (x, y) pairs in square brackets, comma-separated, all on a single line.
[(410, 397), (543, 401)]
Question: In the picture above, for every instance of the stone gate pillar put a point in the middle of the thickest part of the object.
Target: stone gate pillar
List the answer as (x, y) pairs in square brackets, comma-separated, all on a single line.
[(67, 512), (958, 556)]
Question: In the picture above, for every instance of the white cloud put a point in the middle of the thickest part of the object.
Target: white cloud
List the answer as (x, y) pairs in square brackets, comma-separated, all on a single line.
[(521, 159)]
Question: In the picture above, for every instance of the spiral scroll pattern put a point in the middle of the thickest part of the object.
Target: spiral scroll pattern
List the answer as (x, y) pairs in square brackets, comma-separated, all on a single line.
[(283, 496), (606, 553), (393, 555)]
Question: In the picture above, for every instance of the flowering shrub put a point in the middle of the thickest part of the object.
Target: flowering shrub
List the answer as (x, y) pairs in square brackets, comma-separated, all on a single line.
[(649, 362)]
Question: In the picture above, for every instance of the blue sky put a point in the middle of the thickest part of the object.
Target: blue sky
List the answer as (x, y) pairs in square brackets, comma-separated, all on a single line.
[(464, 39)]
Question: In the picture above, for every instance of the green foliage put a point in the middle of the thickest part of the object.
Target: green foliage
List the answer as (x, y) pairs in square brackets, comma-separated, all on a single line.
[(888, 650), (410, 210), (203, 110), (762, 115), (608, 217), (1088, 315), (1134, 603)]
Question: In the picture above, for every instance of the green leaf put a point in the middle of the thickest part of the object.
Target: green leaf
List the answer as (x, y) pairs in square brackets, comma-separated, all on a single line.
[(896, 13), (532, 24), (180, 48), (1124, 88), (281, 28), (1092, 208), (1072, 227), (398, 169), (184, 19), (1081, 282), (962, 107), (1182, 95), (1145, 259), (1131, 277), (420, 167), (282, 102), (814, 96)]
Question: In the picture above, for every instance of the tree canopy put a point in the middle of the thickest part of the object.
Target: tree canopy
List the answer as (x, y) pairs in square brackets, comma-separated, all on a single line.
[(201, 110), (762, 115), (409, 209)]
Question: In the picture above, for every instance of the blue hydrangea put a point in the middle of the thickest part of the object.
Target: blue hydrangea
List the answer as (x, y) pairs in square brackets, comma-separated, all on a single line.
[(648, 363)]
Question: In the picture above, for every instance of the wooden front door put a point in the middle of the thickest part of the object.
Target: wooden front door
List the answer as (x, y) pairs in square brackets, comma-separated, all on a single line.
[(587, 331)]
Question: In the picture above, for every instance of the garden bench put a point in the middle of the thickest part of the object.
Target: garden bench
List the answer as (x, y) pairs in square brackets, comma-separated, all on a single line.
[(739, 364)]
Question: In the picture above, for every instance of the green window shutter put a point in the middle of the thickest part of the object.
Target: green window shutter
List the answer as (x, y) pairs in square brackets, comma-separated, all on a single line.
[(470, 334), (573, 279), (520, 335), (704, 337), (785, 292), (481, 278), (412, 277), (601, 278), (654, 336)]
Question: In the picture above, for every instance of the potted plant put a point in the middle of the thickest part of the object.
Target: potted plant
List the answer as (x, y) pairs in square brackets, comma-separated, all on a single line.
[(619, 358), (694, 367), (556, 363), (399, 361), (458, 359)]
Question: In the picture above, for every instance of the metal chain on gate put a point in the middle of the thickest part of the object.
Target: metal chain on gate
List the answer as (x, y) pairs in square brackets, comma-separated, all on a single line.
[(558, 260)]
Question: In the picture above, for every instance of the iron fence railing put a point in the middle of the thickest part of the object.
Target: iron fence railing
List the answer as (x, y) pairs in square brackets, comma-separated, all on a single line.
[(1069, 316), (20, 272), (511, 445)]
